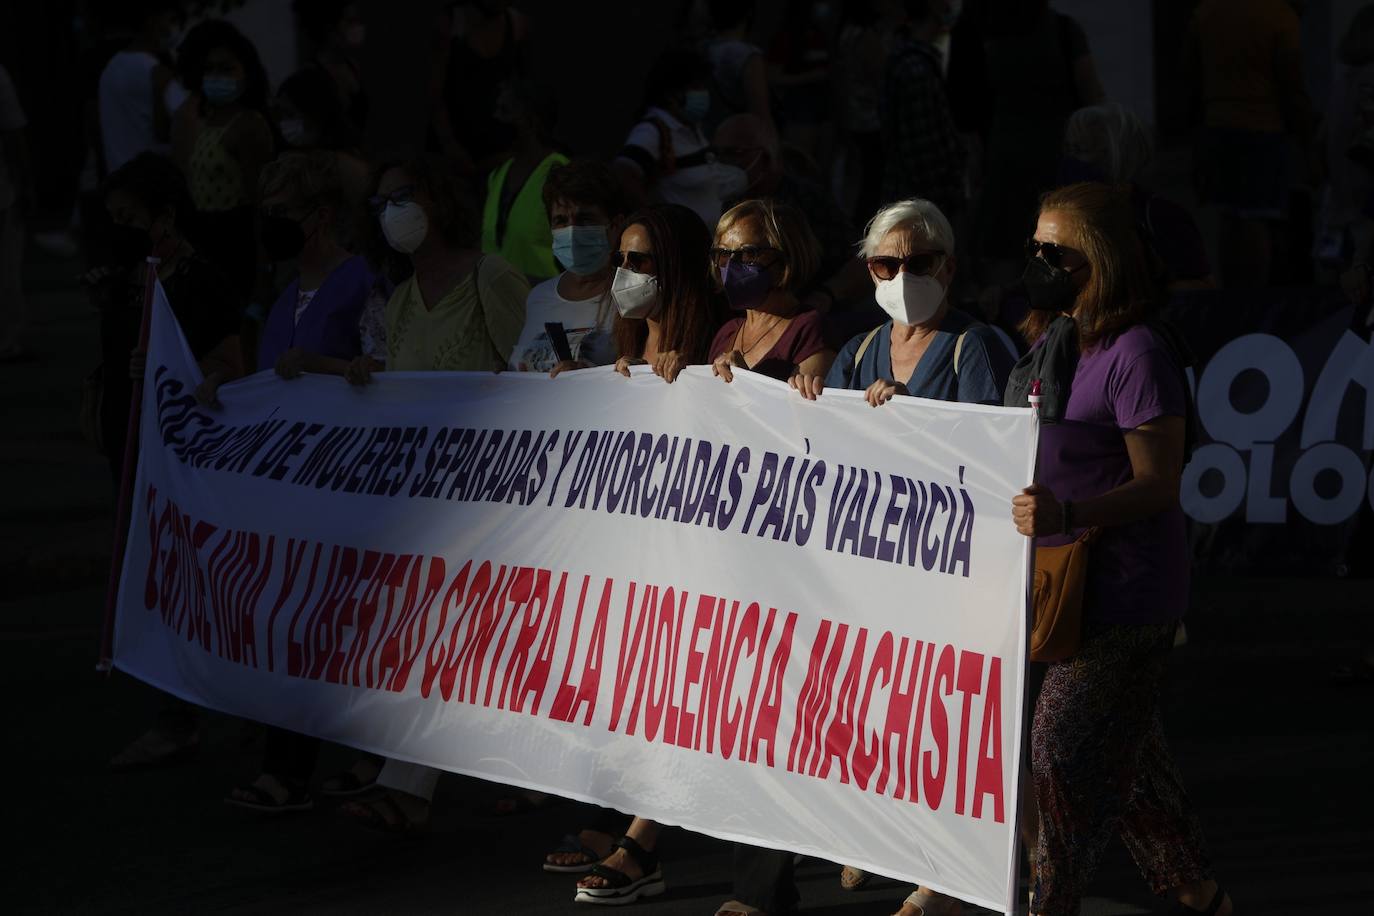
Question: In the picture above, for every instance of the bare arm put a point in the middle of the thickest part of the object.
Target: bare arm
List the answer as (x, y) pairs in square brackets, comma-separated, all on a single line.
[(817, 363), (1156, 453)]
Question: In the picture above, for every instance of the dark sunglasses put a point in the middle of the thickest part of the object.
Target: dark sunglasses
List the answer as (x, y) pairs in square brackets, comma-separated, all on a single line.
[(918, 264), (638, 261), (402, 195), (746, 255), (1052, 253)]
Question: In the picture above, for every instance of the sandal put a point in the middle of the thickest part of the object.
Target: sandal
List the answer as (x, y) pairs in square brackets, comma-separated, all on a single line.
[(930, 903), (573, 845), (851, 878), (263, 801), (383, 814), (349, 783), (621, 888), (1218, 901), (156, 748)]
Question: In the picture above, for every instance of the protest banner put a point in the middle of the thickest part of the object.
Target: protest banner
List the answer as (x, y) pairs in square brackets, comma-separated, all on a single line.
[(795, 624)]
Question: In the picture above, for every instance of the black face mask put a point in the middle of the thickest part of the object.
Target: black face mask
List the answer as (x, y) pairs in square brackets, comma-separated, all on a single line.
[(282, 237), (1048, 288), (129, 244)]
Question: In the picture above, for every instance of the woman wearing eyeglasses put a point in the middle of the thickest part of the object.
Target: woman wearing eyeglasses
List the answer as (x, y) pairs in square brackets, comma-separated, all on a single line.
[(928, 349), (764, 254), (1111, 460), (461, 310)]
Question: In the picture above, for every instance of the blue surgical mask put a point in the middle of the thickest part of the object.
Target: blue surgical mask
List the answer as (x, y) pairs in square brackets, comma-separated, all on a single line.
[(696, 105), (221, 90), (582, 249), (746, 285)]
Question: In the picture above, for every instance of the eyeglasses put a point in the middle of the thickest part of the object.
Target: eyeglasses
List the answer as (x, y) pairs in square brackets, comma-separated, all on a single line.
[(638, 261), (746, 255), (919, 264), (1053, 254), (402, 195)]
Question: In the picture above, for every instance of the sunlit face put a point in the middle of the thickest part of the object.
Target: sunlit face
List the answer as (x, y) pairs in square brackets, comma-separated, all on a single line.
[(1060, 229), (749, 241), (636, 251), (908, 245)]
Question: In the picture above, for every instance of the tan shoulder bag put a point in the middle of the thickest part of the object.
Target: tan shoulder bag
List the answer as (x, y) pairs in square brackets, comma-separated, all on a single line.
[(1060, 574)]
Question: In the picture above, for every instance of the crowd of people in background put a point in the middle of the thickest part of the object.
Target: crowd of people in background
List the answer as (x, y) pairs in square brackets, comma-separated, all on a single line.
[(1010, 222)]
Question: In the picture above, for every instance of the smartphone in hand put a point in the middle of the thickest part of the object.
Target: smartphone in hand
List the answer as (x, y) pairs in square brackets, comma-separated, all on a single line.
[(558, 338)]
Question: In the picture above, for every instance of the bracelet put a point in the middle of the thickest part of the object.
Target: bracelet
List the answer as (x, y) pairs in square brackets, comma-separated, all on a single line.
[(1067, 507)]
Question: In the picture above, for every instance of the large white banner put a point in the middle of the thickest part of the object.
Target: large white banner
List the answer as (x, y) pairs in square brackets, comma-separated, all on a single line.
[(794, 624)]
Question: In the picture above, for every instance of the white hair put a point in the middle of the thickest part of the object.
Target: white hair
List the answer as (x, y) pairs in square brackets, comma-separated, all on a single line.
[(1112, 138), (917, 214)]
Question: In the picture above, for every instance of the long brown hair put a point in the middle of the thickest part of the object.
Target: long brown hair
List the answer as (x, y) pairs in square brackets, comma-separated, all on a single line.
[(1124, 282), (691, 311)]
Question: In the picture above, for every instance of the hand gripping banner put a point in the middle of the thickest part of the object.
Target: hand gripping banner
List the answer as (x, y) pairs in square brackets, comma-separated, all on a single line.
[(788, 623)]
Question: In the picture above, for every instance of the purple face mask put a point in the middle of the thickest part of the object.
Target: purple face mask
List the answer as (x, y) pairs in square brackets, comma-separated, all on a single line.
[(746, 285)]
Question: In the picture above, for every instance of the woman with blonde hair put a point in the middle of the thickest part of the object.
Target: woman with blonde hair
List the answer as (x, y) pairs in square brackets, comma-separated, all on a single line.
[(764, 255)]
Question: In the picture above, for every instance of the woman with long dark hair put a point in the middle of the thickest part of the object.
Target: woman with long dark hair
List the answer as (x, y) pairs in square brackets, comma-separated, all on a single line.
[(1111, 460), (667, 313)]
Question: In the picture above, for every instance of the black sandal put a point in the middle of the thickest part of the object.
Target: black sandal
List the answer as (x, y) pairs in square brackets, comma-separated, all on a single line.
[(1218, 899), (621, 888)]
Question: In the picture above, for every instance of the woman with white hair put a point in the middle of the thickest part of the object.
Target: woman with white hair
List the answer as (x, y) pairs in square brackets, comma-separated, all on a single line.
[(928, 349)]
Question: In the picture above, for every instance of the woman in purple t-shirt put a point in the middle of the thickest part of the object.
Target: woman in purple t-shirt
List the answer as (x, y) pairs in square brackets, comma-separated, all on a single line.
[(765, 252), (1112, 459)]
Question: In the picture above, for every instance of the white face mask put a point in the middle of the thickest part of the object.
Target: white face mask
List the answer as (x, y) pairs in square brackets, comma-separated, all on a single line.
[(405, 226), (910, 299), (635, 295)]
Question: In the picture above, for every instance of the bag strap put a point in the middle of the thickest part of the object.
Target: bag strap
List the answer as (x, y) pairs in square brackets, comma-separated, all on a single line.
[(863, 347), (958, 350)]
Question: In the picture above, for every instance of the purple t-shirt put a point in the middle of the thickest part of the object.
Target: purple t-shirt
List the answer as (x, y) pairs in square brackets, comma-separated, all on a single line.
[(1137, 573)]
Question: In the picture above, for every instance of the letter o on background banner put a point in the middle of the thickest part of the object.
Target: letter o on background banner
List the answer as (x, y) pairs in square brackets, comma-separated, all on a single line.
[(1334, 509), (1264, 353), (1214, 456)]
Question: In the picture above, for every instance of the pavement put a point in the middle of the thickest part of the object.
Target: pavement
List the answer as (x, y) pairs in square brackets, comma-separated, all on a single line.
[(1277, 758)]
